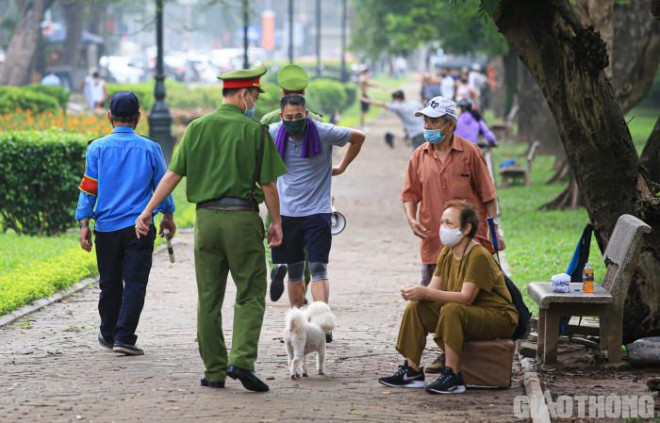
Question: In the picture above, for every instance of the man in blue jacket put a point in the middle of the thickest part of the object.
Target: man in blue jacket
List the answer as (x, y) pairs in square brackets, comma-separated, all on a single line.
[(121, 172)]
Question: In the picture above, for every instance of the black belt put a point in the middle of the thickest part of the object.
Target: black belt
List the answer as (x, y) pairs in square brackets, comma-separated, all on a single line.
[(228, 204)]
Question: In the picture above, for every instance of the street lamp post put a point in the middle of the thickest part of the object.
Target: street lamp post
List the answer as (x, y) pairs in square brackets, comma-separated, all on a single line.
[(318, 38), (160, 119), (246, 23), (290, 31), (344, 74)]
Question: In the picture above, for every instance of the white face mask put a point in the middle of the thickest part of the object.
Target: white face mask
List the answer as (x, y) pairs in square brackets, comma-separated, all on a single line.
[(450, 237)]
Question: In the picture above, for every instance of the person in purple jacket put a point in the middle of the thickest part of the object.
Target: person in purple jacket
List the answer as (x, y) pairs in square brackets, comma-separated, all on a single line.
[(470, 125)]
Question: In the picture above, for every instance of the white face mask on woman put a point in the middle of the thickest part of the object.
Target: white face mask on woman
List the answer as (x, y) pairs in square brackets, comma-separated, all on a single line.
[(450, 237)]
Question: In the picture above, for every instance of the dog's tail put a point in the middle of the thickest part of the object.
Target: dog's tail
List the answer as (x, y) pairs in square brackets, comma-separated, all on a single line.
[(295, 320), (320, 314)]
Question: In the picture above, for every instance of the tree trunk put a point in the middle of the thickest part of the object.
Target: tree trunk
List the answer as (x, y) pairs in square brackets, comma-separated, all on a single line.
[(74, 12), (568, 62), (23, 45), (535, 120), (510, 80), (633, 42), (636, 52), (650, 160), (569, 199)]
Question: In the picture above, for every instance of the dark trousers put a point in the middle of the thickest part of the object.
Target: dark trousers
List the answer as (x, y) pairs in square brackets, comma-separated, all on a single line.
[(124, 264)]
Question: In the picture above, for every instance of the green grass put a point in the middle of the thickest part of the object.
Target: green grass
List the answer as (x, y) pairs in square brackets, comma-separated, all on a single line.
[(641, 121), (541, 243), (37, 267)]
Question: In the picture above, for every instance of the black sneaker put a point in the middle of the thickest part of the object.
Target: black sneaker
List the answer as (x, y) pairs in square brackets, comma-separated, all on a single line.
[(106, 343), (448, 383), (405, 377), (128, 349), (328, 337), (277, 274)]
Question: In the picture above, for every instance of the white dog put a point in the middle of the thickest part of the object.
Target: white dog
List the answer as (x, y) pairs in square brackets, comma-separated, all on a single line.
[(305, 333)]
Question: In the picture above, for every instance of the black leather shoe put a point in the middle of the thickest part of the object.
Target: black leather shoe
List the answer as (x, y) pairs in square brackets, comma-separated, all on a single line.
[(248, 378), (105, 342), (212, 384), (277, 274), (127, 349)]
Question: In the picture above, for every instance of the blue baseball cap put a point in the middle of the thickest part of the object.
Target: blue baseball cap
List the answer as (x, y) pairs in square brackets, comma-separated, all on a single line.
[(124, 104)]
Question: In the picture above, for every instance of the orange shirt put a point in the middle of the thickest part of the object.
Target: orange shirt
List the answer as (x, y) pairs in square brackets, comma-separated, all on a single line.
[(463, 176)]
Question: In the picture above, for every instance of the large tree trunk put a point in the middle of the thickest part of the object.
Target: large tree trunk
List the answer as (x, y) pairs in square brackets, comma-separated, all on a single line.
[(636, 52), (74, 12), (568, 62), (23, 45), (535, 120)]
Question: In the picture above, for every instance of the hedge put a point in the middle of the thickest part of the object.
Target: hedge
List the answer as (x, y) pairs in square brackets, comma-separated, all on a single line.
[(24, 98), (58, 93), (326, 95), (39, 173), (177, 95)]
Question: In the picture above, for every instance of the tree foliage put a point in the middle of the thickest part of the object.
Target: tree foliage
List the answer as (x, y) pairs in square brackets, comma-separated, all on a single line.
[(396, 27)]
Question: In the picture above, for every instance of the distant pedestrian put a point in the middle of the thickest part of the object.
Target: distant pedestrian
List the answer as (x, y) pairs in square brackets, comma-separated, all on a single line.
[(471, 125), (95, 91), (122, 170), (405, 110), (365, 83), (51, 80)]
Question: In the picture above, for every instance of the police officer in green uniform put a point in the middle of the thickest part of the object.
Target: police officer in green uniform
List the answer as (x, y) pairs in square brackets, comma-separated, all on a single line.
[(231, 164), (292, 79)]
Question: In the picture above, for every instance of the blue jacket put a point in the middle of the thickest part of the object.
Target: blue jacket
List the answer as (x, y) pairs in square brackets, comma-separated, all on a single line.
[(122, 171)]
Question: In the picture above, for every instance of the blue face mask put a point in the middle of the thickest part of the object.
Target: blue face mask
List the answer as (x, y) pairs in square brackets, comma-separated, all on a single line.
[(434, 136), (250, 112)]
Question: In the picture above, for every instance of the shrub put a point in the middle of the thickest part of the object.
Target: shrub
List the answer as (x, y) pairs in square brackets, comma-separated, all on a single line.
[(58, 93), (13, 98), (143, 91), (268, 101), (326, 95), (39, 173)]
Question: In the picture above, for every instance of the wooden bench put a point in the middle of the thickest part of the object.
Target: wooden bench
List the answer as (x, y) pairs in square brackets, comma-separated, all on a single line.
[(504, 131), (606, 302), (515, 172)]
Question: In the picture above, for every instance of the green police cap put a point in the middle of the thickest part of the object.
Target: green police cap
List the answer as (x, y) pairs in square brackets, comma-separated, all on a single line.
[(292, 78), (243, 78)]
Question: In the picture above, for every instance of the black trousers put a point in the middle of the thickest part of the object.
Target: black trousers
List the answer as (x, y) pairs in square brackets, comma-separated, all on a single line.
[(124, 263)]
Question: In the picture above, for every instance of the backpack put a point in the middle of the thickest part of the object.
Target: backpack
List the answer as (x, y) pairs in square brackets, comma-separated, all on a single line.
[(524, 315)]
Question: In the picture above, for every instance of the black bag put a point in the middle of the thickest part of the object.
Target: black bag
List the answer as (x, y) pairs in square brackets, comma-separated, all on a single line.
[(524, 315)]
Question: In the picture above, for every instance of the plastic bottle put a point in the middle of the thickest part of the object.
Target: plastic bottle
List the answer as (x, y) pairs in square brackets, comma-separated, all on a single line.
[(588, 279)]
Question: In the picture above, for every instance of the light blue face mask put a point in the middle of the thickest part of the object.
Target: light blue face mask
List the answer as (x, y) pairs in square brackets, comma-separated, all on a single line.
[(434, 136), (250, 112)]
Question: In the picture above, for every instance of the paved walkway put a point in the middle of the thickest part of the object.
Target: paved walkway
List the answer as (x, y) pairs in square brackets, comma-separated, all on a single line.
[(53, 370)]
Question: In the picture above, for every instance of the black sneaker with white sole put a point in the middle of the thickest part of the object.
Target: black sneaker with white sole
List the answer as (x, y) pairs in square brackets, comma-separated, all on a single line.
[(447, 383), (405, 377)]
